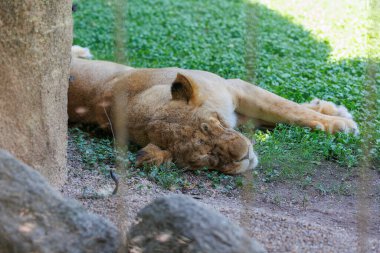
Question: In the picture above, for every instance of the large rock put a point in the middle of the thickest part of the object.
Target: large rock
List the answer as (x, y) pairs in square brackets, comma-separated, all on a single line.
[(180, 224), (35, 41), (36, 218)]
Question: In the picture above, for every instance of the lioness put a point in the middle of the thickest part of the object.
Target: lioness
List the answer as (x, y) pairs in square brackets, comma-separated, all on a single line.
[(187, 116)]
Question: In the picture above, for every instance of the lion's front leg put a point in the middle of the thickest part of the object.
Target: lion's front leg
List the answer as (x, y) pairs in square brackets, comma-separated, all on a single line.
[(152, 155), (262, 105)]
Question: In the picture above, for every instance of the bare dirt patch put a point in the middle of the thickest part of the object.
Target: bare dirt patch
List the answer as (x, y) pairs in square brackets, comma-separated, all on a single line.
[(318, 217)]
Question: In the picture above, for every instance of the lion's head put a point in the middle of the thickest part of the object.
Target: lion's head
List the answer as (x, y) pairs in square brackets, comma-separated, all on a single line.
[(198, 135)]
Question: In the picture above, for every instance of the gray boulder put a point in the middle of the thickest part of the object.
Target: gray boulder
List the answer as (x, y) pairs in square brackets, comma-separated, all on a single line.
[(181, 224), (36, 218)]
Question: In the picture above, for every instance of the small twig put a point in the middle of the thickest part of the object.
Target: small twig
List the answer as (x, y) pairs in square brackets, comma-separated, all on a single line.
[(113, 175), (116, 180), (109, 121), (93, 196), (74, 7)]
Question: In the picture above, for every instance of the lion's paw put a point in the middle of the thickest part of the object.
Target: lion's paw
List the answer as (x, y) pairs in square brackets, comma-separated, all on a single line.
[(329, 108), (81, 52), (337, 124), (152, 155)]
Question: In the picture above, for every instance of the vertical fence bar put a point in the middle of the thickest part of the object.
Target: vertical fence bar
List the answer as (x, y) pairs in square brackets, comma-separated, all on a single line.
[(120, 30), (120, 119), (369, 131), (251, 21)]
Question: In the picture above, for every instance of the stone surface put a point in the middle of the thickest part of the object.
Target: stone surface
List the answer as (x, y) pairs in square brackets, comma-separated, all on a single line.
[(181, 224), (35, 53), (36, 218)]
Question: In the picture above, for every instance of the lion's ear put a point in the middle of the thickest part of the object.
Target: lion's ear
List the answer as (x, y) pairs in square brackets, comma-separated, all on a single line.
[(183, 88)]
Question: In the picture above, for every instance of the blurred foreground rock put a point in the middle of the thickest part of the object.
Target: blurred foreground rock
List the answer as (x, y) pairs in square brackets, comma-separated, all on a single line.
[(36, 218), (180, 224)]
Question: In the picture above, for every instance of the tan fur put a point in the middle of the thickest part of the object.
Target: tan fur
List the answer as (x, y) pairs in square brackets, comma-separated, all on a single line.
[(184, 116), (328, 108)]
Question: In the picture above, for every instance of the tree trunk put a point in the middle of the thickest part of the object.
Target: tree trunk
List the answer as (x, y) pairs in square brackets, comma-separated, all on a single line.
[(35, 41)]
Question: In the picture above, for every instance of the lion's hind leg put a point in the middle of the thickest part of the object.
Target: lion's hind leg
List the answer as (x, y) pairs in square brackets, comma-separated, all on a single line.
[(81, 52), (256, 103)]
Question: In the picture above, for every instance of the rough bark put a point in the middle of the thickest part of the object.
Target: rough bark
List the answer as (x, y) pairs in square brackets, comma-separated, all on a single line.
[(36, 218), (179, 224), (35, 40)]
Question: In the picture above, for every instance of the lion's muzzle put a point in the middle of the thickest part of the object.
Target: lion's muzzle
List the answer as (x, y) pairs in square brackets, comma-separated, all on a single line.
[(248, 162)]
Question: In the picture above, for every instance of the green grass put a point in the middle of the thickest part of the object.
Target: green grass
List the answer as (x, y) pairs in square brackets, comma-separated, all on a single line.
[(96, 153), (294, 152), (302, 49)]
